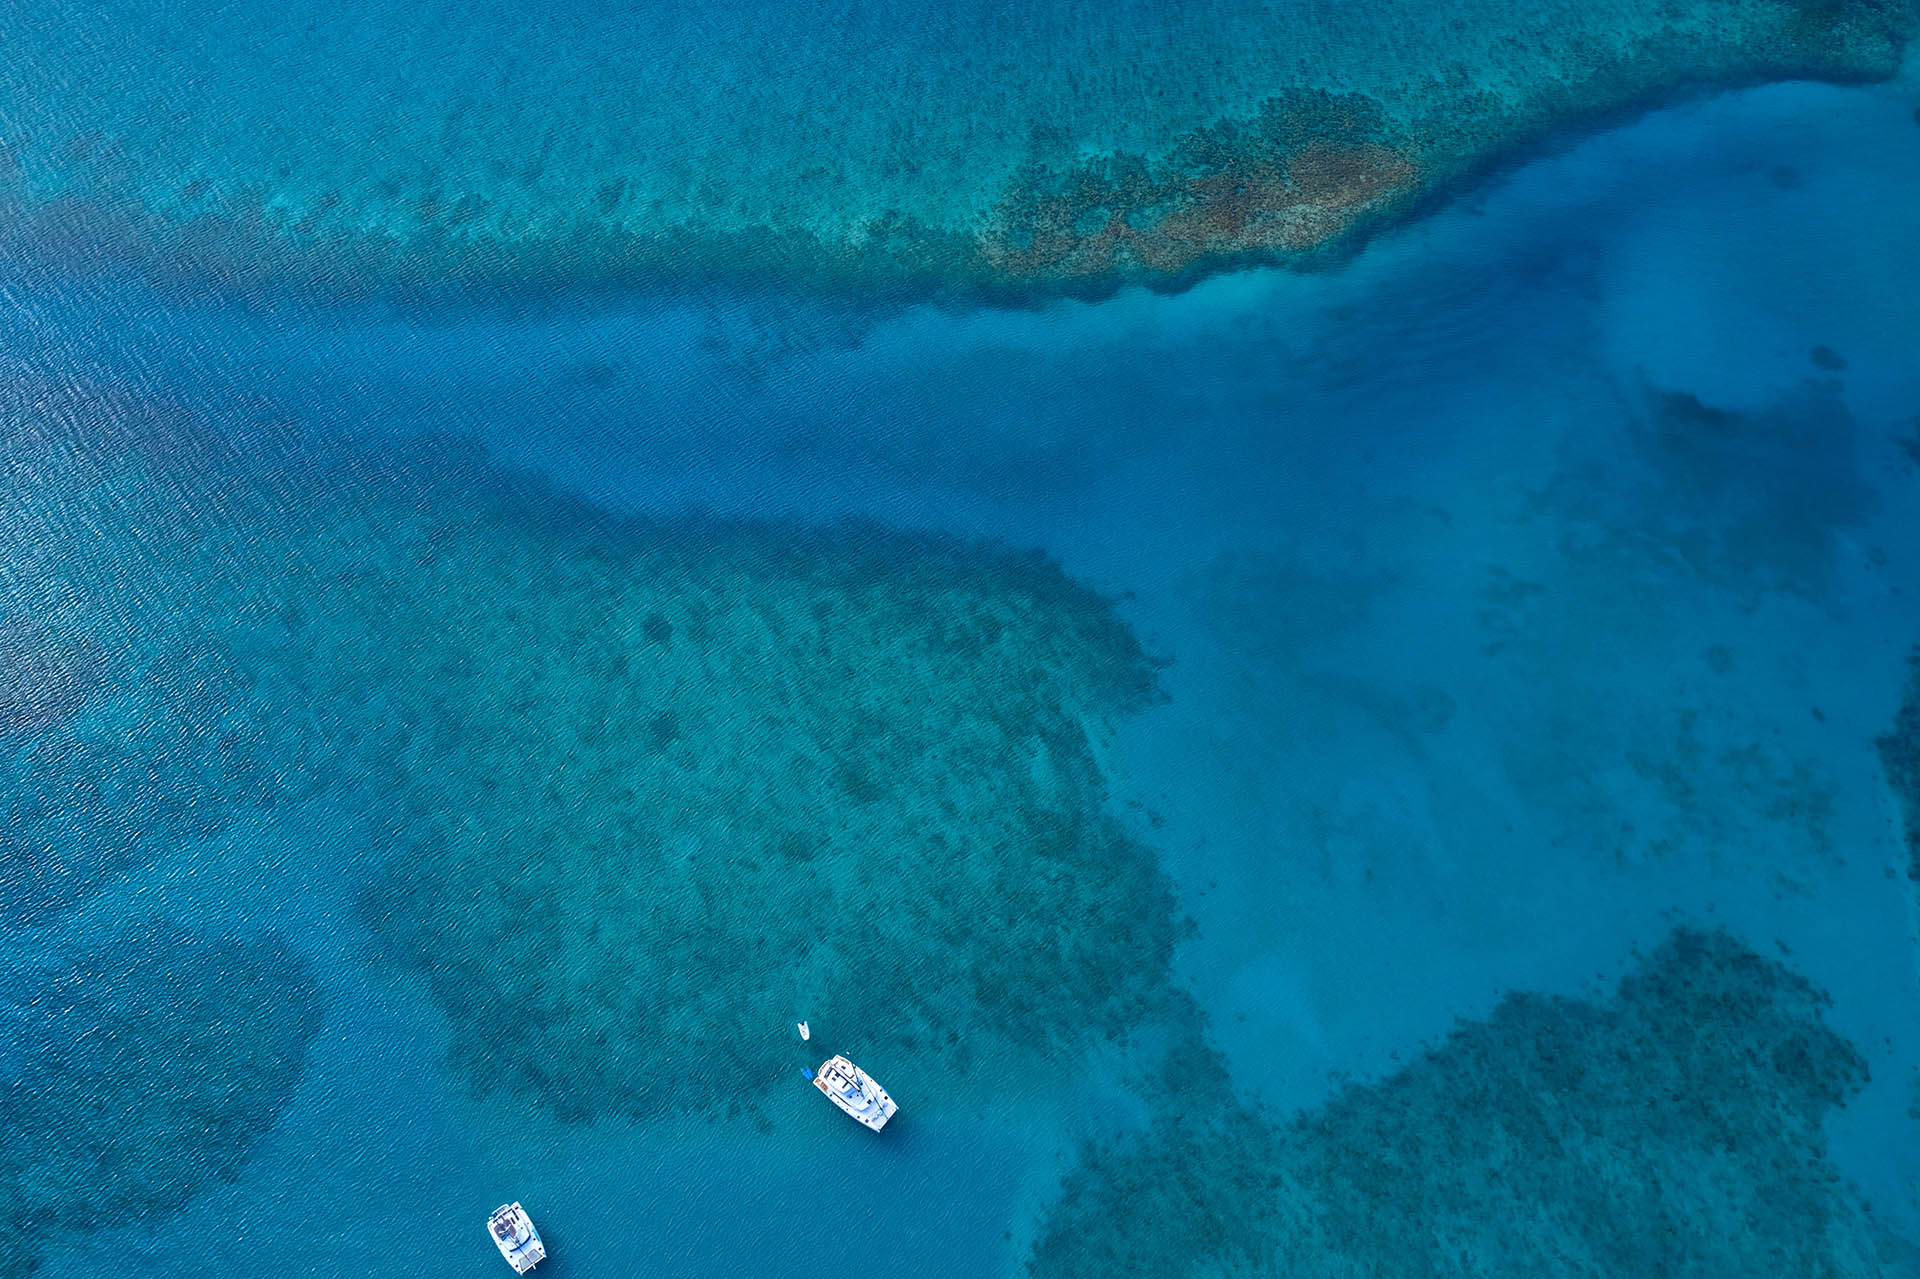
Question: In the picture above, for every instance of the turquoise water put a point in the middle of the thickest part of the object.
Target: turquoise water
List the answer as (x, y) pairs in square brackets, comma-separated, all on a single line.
[(1400, 769)]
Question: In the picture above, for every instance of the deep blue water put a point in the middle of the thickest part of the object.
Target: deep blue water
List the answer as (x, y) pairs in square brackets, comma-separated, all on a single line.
[(1527, 587)]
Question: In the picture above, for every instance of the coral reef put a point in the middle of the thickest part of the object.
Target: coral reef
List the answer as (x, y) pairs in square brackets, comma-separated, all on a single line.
[(1313, 171), (974, 153), (144, 1071), (647, 796), (1689, 1104)]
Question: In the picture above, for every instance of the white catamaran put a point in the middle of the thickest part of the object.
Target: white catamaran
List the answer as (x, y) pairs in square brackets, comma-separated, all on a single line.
[(854, 1091), (513, 1233)]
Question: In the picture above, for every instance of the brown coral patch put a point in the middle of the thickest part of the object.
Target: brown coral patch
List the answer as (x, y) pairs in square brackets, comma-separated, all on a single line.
[(1223, 208), (1348, 177), (1326, 189), (1104, 220)]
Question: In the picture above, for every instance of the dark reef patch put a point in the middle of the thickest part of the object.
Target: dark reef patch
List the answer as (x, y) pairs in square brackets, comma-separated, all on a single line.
[(1755, 502), (147, 1070), (80, 813), (663, 729), (1900, 754), (1691, 1104)]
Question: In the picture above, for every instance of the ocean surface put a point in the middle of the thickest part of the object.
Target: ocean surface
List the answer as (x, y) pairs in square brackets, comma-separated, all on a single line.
[(1402, 759)]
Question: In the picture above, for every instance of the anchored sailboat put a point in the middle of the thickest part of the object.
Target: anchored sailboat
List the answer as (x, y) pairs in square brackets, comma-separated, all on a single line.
[(854, 1091), (513, 1234)]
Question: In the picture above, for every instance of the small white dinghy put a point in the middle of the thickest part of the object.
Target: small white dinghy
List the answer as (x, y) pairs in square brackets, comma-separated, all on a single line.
[(804, 1032), (513, 1233)]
